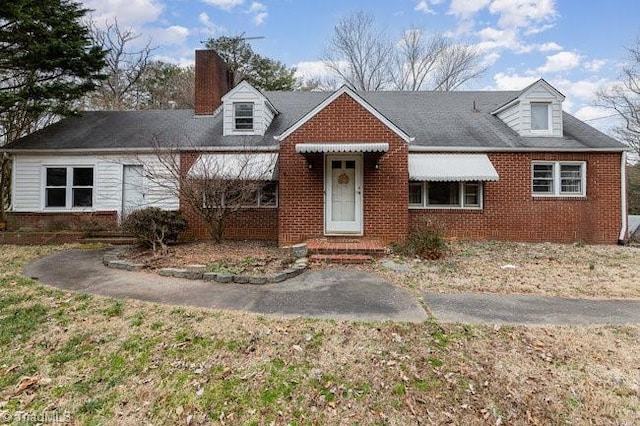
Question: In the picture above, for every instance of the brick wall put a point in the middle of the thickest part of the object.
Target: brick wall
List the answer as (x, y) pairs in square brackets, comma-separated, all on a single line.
[(74, 221), (246, 224), (512, 213), (385, 190), (212, 81)]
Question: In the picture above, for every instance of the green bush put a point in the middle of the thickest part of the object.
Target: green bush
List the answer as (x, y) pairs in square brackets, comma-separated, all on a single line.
[(155, 227), (426, 242)]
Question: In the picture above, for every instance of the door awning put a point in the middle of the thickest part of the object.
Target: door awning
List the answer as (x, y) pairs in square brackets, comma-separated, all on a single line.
[(451, 167), (242, 166), (306, 148)]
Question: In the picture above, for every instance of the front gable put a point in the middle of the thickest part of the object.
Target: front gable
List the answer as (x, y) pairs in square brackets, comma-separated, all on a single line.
[(338, 97), (535, 112)]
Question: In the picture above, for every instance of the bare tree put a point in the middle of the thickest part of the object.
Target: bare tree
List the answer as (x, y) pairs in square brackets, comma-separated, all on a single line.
[(624, 98), (216, 186), (363, 56), (456, 64), (360, 53), (126, 66)]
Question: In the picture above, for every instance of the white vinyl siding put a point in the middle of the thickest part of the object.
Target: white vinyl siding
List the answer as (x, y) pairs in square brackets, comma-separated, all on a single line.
[(559, 178), (511, 117), (30, 173), (244, 93)]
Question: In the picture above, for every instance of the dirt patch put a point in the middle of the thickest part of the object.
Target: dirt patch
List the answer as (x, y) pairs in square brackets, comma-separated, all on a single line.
[(241, 257)]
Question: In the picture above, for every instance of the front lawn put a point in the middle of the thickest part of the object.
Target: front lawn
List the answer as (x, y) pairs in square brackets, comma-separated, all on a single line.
[(101, 360)]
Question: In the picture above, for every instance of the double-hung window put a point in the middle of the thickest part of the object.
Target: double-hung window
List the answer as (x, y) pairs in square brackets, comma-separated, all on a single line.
[(243, 116), (457, 195), (559, 178), (540, 117), (68, 187)]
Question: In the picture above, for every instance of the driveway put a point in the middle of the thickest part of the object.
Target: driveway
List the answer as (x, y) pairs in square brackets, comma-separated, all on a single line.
[(334, 293), (532, 310)]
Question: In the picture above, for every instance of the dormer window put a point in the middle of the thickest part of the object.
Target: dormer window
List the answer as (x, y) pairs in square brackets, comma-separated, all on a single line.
[(243, 116), (540, 116)]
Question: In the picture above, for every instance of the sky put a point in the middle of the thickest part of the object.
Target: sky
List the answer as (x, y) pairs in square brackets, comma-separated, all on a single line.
[(576, 45)]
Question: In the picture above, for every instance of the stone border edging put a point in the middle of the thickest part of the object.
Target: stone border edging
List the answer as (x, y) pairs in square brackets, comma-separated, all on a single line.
[(198, 272)]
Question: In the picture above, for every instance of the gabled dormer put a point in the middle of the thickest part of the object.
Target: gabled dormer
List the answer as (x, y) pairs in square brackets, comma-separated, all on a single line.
[(535, 112), (246, 111)]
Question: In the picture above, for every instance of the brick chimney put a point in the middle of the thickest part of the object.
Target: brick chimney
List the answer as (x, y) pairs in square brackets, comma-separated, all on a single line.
[(213, 81)]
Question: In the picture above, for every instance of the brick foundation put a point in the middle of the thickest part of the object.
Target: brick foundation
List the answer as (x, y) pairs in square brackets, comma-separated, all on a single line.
[(59, 221)]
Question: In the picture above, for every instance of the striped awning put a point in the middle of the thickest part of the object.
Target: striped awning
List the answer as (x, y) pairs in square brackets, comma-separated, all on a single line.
[(306, 148), (241, 166), (451, 167)]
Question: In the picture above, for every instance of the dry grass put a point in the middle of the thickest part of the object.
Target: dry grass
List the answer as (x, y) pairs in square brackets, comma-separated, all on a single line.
[(126, 362), (579, 271)]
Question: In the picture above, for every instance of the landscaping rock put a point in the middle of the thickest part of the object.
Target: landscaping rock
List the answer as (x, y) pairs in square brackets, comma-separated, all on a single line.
[(118, 264), (258, 280), (166, 272), (304, 261), (135, 267), (196, 268), (224, 278), (299, 250), (241, 279), (279, 277), (180, 273), (209, 276)]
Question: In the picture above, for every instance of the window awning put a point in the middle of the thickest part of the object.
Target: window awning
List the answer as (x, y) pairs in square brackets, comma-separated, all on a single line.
[(306, 148), (451, 167), (243, 166)]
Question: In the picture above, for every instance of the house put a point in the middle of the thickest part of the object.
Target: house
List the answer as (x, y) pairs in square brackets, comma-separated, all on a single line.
[(503, 165)]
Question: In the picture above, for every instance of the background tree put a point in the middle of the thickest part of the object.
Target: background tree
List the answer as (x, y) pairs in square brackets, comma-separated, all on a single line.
[(165, 86), (624, 98), (362, 55), (126, 66), (47, 62), (262, 72)]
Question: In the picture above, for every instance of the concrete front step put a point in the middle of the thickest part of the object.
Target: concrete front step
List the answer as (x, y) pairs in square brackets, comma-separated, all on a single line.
[(340, 258)]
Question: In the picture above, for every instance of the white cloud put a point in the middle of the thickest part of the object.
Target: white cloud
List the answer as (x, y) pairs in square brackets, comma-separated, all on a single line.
[(183, 61), (512, 81), (127, 12), (224, 4), (308, 70), (467, 8), (259, 11), (523, 13), (490, 59), (549, 47), (562, 61), (594, 65), (423, 6), (174, 34)]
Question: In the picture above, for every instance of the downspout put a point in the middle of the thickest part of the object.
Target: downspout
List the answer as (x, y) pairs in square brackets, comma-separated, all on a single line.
[(622, 238)]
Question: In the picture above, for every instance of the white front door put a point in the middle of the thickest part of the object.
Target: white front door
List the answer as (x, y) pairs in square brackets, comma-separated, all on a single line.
[(343, 194), (132, 189)]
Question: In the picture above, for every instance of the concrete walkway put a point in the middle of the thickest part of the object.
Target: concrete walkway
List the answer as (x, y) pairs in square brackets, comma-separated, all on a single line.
[(531, 310), (336, 294)]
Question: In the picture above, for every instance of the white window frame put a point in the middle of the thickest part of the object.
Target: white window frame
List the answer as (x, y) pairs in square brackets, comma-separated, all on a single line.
[(461, 196), (258, 201), (549, 128), (68, 188), (253, 117), (557, 182)]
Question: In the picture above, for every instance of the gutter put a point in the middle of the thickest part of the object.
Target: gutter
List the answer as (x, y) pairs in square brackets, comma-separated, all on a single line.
[(622, 238), (81, 151), (509, 149)]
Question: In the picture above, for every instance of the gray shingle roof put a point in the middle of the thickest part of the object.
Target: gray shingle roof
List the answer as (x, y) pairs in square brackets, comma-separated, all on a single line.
[(434, 119)]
